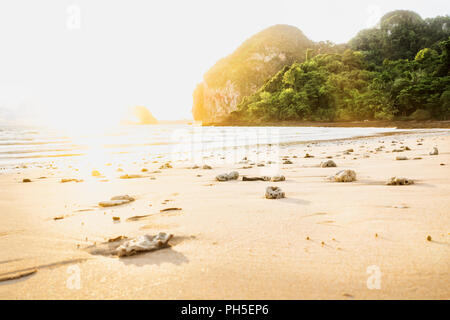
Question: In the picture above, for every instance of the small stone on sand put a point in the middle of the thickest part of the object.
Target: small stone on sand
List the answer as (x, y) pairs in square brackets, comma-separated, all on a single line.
[(327, 164), (264, 178), (96, 173), (278, 178), (116, 201), (397, 181), (64, 180), (234, 175), (143, 243), (344, 176), (434, 152), (130, 176), (123, 197), (170, 209), (274, 193), (166, 165)]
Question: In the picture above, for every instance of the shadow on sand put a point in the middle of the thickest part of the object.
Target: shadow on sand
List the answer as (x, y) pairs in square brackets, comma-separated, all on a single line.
[(167, 255)]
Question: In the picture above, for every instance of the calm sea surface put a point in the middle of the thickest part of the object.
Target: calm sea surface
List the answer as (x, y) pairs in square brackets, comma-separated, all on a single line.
[(20, 144)]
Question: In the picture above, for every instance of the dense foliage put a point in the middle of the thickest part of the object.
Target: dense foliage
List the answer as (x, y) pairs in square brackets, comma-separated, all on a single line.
[(400, 69), (259, 58)]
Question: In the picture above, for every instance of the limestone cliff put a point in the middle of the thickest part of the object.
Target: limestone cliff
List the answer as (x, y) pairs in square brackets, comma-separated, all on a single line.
[(245, 70)]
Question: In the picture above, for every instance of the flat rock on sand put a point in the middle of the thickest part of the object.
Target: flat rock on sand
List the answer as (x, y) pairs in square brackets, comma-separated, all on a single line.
[(123, 247), (131, 176), (277, 178), (264, 178), (234, 175), (116, 201), (397, 181)]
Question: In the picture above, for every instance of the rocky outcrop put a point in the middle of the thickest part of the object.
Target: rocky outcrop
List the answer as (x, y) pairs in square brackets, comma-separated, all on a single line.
[(245, 71)]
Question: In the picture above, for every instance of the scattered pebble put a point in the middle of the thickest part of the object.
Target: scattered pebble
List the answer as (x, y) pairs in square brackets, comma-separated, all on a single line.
[(434, 152), (96, 173), (117, 239), (143, 243), (166, 165), (234, 175), (397, 181), (169, 209), (344, 176), (274, 193), (328, 164), (278, 178), (116, 201), (130, 176), (64, 180), (263, 178)]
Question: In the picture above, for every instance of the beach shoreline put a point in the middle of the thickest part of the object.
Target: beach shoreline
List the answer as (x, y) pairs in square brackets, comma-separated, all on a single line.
[(426, 124), (325, 240)]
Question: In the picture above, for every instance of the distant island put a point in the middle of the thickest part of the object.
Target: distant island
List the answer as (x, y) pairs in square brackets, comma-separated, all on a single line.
[(399, 70), (139, 115)]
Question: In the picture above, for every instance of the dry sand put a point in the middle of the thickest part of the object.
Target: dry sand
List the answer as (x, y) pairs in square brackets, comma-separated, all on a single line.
[(230, 242)]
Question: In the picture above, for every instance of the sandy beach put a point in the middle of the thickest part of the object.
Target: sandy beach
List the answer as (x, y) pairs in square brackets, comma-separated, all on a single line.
[(322, 241)]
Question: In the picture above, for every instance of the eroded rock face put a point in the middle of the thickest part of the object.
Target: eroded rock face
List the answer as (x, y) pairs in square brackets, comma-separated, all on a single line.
[(328, 164), (244, 71), (234, 175), (214, 105), (397, 181), (274, 193), (344, 176)]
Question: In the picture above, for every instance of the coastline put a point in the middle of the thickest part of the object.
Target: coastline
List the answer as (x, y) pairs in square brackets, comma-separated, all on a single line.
[(231, 242), (429, 124)]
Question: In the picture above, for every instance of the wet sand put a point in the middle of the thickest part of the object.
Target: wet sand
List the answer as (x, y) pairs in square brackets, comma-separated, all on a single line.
[(229, 241)]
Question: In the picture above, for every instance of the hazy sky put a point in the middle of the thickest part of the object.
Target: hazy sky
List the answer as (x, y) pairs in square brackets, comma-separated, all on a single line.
[(92, 59)]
